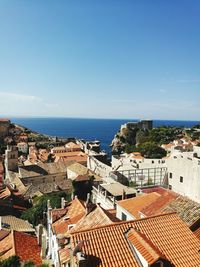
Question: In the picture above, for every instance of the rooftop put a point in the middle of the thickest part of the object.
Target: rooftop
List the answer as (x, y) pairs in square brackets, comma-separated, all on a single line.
[(22, 245), (136, 204), (46, 188), (144, 246), (108, 246), (79, 169), (117, 189), (43, 169), (188, 210), (97, 217), (74, 213), (14, 223)]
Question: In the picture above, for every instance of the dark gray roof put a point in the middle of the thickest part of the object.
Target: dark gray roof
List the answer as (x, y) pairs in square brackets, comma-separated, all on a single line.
[(43, 169), (47, 188)]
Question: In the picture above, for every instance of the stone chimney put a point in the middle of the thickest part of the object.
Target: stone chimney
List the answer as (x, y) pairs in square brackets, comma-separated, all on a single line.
[(39, 234), (44, 245), (123, 194), (63, 203)]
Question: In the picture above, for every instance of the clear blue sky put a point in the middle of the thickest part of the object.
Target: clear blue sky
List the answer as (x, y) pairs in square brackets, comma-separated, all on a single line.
[(100, 58)]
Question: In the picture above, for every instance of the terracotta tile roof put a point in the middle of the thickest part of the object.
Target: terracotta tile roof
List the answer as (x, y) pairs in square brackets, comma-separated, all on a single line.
[(64, 255), (77, 158), (97, 217), (17, 224), (157, 189), (77, 206), (58, 213), (145, 247), (26, 247), (75, 212), (23, 245), (108, 245), (7, 246), (188, 210), (161, 202), (136, 204), (62, 226), (195, 228)]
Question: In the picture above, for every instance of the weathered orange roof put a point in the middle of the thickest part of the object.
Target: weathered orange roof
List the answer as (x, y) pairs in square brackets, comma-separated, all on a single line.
[(157, 189), (77, 206), (97, 217), (27, 248), (23, 245), (108, 245), (80, 158), (61, 226), (145, 247), (75, 212), (64, 255), (58, 213), (136, 204), (158, 204)]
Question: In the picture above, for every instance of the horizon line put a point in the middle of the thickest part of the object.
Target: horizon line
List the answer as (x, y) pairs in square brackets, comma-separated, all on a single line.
[(89, 118)]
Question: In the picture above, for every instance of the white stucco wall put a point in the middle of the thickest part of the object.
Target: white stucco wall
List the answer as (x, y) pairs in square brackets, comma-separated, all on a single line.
[(189, 168), (98, 167), (120, 210)]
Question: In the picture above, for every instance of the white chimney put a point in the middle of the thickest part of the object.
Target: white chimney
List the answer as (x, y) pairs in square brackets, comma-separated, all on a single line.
[(0, 223)]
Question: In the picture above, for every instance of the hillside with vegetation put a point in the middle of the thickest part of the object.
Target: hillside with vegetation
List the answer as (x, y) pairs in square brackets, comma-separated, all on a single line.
[(148, 142)]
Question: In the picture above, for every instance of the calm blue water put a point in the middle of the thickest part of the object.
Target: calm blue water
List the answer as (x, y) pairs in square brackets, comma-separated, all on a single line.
[(88, 129)]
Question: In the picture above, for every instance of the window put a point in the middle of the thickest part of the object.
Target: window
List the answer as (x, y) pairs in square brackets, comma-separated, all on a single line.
[(124, 217), (170, 187), (181, 179), (170, 175)]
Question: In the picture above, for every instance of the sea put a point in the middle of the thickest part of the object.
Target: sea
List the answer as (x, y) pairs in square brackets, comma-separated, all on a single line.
[(102, 130)]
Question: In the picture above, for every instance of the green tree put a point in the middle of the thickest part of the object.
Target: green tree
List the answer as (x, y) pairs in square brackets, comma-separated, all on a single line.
[(151, 150), (29, 264), (81, 189), (36, 214), (13, 261)]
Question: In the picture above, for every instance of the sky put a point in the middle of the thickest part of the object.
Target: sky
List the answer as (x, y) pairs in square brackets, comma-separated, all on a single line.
[(100, 58)]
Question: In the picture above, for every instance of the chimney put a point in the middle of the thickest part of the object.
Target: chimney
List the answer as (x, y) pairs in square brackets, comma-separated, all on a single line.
[(0, 223), (123, 194), (40, 232), (63, 202), (44, 246), (88, 199)]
